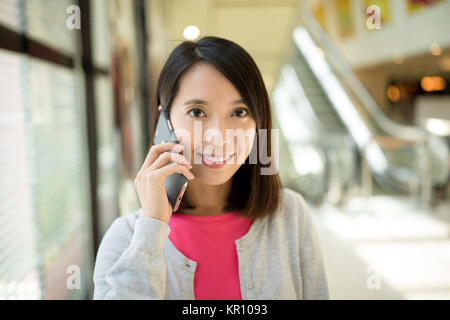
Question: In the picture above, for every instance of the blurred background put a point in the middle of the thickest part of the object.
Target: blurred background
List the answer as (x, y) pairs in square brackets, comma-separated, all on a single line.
[(360, 91)]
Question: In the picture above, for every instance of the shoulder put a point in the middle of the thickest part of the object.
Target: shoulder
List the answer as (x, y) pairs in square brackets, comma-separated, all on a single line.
[(119, 234), (293, 213), (293, 197), (293, 205), (115, 240)]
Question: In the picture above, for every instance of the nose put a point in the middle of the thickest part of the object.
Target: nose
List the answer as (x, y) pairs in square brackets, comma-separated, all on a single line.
[(216, 139), (215, 130)]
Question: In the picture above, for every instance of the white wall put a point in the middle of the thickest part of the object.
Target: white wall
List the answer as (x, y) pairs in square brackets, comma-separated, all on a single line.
[(408, 33), (433, 107)]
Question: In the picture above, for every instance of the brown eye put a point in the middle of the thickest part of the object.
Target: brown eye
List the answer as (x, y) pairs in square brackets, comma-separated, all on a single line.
[(241, 112), (196, 112)]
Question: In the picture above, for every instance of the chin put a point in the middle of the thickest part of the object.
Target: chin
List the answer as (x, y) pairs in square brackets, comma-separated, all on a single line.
[(214, 177)]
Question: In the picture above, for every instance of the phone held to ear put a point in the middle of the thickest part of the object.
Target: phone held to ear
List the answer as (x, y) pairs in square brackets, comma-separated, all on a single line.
[(176, 183)]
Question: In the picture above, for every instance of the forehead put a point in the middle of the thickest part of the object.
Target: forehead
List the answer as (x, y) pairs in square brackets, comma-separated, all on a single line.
[(205, 82)]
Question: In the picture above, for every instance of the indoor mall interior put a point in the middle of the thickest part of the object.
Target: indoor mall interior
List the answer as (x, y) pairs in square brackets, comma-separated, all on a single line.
[(359, 90)]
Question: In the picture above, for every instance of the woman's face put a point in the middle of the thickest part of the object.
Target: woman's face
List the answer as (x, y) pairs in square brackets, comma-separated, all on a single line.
[(212, 124)]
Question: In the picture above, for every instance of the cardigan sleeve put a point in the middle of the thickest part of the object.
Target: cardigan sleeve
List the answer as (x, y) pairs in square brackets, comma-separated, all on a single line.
[(315, 284), (131, 265)]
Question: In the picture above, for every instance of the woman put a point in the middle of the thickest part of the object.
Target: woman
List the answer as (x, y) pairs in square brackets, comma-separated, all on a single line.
[(237, 233)]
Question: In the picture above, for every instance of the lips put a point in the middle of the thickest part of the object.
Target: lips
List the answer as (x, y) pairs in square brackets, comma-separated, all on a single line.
[(216, 159), (215, 162)]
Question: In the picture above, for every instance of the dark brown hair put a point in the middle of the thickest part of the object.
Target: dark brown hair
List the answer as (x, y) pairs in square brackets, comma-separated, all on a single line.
[(253, 195)]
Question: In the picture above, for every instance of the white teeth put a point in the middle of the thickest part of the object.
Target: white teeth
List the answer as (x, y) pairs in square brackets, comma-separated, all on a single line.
[(214, 159)]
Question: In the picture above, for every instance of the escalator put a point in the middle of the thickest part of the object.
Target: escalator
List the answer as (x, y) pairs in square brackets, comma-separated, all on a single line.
[(401, 158)]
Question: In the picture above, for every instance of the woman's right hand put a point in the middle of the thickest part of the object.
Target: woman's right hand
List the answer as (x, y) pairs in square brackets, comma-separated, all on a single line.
[(150, 179)]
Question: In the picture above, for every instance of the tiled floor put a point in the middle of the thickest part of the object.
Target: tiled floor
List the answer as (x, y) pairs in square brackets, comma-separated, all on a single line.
[(385, 248)]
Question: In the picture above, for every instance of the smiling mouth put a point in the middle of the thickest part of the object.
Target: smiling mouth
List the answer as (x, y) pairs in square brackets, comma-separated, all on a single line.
[(217, 160)]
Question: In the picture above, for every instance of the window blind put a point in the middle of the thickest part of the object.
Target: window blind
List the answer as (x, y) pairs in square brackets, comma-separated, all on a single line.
[(45, 21), (10, 14), (19, 276), (60, 168), (45, 225)]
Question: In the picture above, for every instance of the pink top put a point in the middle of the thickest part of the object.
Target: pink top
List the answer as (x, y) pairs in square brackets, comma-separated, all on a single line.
[(209, 241)]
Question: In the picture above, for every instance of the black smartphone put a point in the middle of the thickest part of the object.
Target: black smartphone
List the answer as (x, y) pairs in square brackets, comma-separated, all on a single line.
[(176, 183)]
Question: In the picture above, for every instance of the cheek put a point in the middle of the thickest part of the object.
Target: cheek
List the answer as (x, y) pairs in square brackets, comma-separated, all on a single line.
[(244, 146), (184, 130)]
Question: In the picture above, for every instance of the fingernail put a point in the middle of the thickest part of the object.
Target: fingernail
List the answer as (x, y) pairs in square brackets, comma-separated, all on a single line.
[(178, 147)]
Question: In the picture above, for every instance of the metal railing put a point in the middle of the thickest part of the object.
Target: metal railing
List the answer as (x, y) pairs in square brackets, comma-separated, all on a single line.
[(410, 136)]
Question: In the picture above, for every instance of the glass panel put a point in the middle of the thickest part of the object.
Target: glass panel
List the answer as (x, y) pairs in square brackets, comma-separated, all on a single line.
[(18, 252)]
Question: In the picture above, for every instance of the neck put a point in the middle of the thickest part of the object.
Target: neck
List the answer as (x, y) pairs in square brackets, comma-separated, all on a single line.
[(207, 200)]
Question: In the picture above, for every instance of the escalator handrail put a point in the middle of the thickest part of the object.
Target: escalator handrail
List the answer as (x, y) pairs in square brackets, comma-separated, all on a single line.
[(415, 135), (393, 128)]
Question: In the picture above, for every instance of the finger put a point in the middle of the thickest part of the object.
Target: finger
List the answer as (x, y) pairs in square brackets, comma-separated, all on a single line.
[(155, 151), (174, 168), (166, 157)]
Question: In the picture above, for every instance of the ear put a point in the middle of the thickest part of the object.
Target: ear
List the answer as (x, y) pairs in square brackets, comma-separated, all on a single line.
[(160, 107)]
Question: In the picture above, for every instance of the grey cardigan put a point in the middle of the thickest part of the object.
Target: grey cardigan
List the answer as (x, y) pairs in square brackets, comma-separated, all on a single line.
[(279, 258)]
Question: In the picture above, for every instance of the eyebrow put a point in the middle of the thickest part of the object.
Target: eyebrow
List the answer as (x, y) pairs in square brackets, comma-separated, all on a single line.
[(200, 101)]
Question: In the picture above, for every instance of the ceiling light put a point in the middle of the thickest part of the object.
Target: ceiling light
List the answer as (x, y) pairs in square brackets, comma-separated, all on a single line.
[(430, 84), (438, 127), (191, 32), (435, 49), (393, 93)]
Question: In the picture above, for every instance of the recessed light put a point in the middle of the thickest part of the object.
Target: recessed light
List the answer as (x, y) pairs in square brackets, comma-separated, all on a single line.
[(435, 49), (439, 127), (393, 93), (191, 32)]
